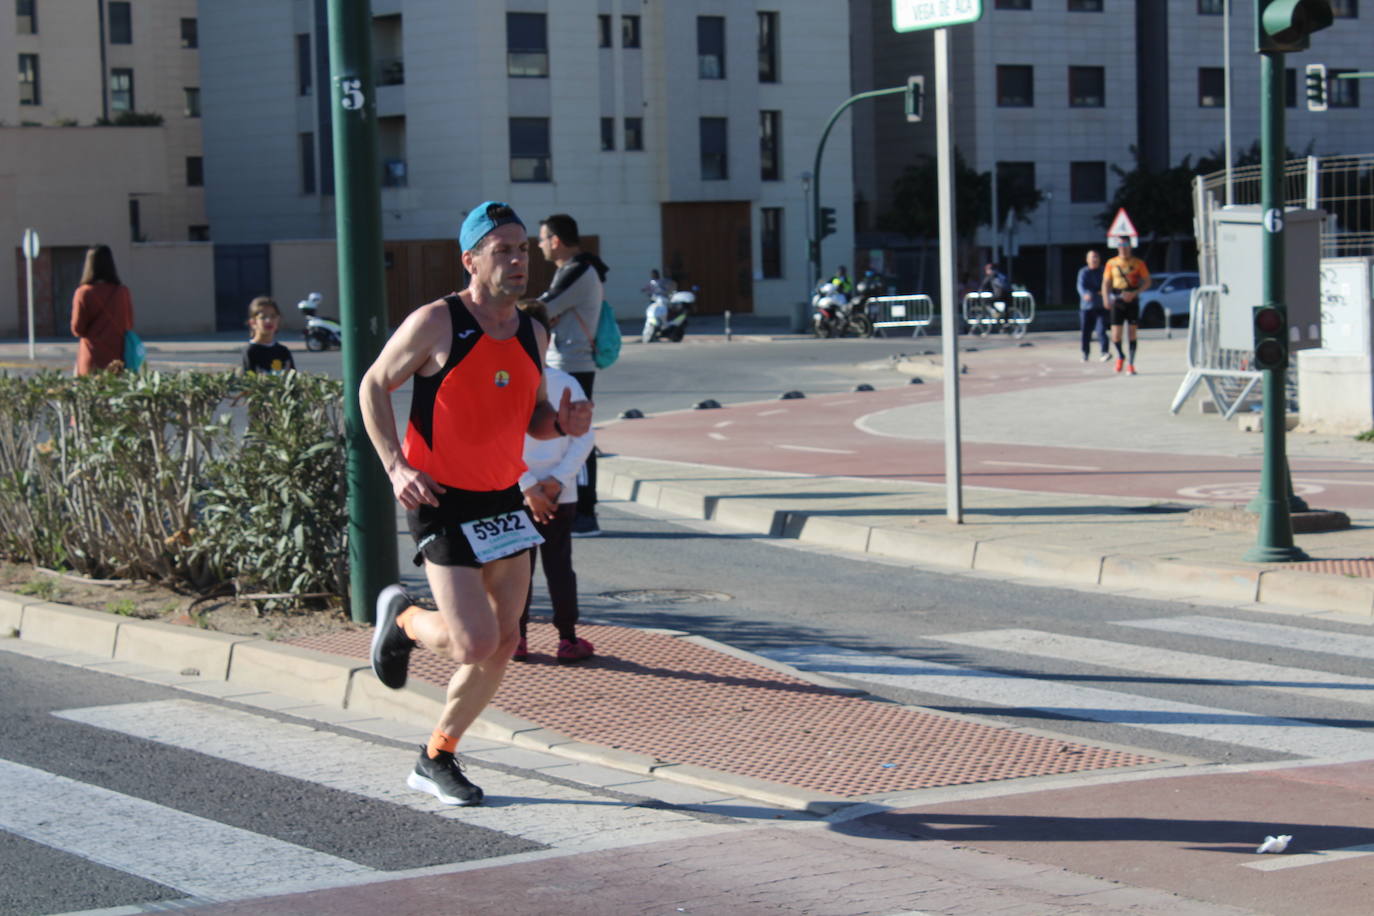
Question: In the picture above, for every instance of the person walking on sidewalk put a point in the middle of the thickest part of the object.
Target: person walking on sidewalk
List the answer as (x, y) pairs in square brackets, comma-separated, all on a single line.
[(102, 312), (550, 487), (1092, 313), (476, 362), (574, 301), (1123, 280)]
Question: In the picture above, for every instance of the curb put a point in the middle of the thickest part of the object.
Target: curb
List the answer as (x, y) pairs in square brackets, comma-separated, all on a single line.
[(1284, 589), (340, 683)]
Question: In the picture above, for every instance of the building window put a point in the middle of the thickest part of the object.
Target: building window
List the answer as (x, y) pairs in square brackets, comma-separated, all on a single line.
[(529, 150), (634, 134), (197, 233), (1013, 4), (28, 17), (1085, 6), (1342, 93), (607, 135), (715, 156), (28, 80), (1211, 7), (1211, 87), (190, 33), (629, 31), (1345, 9), (770, 242), (603, 30), (527, 44), (770, 145), (1087, 182), (1015, 86), (711, 47), (121, 89), (308, 163), (121, 22), (1290, 87), (305, 81), (768, 47), (192, 94), (135, 221), (1086, 87), (195, 172)]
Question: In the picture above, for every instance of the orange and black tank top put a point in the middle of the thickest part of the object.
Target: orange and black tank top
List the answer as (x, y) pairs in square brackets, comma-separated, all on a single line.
[(468, 420)]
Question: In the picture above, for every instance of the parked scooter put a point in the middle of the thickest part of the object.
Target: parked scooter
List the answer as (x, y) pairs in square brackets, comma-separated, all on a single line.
[(320, 333), (666, 316), (832, 315)]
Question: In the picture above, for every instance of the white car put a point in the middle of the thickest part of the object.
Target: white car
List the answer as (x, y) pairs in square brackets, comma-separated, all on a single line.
[(1167, 300)]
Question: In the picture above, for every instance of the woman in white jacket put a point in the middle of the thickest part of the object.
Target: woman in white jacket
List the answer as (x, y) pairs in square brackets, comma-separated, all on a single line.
[(550, 487)]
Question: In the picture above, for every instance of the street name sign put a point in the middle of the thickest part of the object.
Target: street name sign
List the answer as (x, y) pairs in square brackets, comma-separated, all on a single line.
[(914, 15)]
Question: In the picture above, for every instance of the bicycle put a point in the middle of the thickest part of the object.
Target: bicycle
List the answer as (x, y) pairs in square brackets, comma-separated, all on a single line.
[(987, 316)]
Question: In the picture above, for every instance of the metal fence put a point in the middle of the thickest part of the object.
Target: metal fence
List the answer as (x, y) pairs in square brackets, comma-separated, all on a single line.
[(915, 312), (978, 309)]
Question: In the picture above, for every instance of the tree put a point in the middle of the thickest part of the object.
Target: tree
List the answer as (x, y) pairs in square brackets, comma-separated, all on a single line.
[(915, 204)]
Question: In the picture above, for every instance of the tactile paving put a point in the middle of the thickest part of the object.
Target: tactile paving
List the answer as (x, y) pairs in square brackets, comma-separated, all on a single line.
[(682, 702), (1362, 567)]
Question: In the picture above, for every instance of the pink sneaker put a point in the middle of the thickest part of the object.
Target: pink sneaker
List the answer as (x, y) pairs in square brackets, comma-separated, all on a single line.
[(574, 650), (522, 651)]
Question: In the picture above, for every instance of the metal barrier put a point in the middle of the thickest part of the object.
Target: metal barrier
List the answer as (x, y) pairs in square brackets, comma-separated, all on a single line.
[(977, 310), (915, 312), (1227, 372)]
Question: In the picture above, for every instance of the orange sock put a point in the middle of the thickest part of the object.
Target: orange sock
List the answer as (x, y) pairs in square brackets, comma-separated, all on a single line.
[(405, 620), (441, 742)]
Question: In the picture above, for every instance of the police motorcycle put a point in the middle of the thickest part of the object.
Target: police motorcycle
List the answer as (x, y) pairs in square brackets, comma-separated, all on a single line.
[(320, 333), (666, 316), (870, 286), (832, 314)]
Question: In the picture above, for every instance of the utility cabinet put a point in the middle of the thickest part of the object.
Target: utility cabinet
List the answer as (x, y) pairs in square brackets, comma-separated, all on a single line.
[(1240, 271)]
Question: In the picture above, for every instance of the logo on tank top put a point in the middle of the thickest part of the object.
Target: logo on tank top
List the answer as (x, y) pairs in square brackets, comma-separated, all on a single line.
[(502, 378)]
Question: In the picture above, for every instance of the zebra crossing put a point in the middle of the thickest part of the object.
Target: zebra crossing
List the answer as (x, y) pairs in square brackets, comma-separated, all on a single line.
[(1059, 687)]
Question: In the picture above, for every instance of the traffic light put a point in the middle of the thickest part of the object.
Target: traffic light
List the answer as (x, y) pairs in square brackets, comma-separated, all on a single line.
[(1316, 87), (1283, 25), (1271, 338), (827, 221), (915, 98)]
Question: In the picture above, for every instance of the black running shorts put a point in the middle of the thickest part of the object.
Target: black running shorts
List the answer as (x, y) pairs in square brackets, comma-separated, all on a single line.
[(437, 529), (1124, 312)]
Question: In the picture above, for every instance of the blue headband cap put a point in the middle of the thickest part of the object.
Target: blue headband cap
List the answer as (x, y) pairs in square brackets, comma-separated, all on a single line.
[(483, 218)]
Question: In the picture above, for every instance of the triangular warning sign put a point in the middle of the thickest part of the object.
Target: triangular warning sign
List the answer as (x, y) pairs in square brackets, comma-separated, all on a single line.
[(1122, 227)]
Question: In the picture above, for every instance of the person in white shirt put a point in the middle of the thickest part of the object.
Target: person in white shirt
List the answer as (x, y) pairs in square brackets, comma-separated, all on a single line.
[(550, 487)]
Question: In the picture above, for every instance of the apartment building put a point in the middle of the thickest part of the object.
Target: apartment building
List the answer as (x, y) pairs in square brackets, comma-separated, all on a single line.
[(1058, 92), (139, 189), (675, 133)]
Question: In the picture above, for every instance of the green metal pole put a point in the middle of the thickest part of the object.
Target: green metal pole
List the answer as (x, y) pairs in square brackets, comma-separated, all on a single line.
[(814, 245), (1275, 537), (362, 297)]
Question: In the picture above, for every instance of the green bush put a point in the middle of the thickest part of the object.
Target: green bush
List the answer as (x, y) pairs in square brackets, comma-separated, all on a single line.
[(191, 479)]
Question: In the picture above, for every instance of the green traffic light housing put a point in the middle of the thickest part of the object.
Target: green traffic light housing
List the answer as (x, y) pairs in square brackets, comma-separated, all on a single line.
[(1285, 24), (827, 221), (1316, 87), (1271, 338)]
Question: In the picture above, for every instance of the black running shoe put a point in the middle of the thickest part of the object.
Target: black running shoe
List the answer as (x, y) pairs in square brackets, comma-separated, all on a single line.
[(390, 644), (443, 778)]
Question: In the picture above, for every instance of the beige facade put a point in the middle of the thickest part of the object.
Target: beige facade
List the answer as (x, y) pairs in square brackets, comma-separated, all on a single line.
[(77, 184)]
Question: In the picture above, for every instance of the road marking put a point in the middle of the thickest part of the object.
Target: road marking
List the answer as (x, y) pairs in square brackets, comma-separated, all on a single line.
[(837, 403), (724, 423), (1242, 489), (817, 448), (1206, 670), (196, 856), (719, 437), (1268, 733), (1311, 858), (378, 772), (1032, 464), (1337, 483), (1262, 634), (769, 413)]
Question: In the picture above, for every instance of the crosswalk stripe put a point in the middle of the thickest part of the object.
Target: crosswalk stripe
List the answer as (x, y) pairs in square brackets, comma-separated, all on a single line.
[(584, 821), (1262, 634), (1279, 863), (197, 856), (1169, 663), (1268, 733)]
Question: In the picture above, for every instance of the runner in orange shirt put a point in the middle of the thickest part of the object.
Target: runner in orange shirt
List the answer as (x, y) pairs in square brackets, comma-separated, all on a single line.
[(1123, 280), (477, 363)]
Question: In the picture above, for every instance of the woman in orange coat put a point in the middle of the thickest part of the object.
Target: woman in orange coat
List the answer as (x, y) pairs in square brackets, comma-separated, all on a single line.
[(102, 311)]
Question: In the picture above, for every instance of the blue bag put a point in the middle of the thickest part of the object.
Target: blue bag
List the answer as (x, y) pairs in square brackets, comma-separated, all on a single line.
[(606, 346), (133, 351)]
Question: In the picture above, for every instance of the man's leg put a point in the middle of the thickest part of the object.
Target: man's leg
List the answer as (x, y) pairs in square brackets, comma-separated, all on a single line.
[(586, 524), (556, 554), (1102, 322), (1086, 320), (1131, 326)]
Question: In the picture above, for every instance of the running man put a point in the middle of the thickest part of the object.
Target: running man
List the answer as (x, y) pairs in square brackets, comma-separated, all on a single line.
[(1123, 280), (479, 387)]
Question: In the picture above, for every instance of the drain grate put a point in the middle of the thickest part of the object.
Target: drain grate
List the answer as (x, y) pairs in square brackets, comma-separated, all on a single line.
[(664, 596)]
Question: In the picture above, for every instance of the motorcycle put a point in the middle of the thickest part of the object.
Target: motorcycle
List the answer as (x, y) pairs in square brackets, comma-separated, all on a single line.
[(320, 333), (666, 316), (870, 287), (833, 315)]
